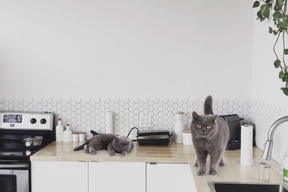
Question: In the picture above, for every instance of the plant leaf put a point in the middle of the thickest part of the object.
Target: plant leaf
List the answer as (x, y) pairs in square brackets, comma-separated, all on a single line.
[(286, 51), (270, 30), (275, 32), (259, 15), (281, 75), (278, 5), (285, 90), (279, 2), (265, 10), (277, 15), (256, 4), (277, 63), (282, 26)]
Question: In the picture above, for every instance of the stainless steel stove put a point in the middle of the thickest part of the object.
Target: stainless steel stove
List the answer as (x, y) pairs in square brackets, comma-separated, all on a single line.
[(15, 166)]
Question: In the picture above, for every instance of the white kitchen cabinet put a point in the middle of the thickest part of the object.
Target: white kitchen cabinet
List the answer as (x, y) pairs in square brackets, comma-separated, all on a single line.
[(59, 176), (169, 178), (117, 176)]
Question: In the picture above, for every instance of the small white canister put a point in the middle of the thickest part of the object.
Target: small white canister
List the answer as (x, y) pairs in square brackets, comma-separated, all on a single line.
[(187, 137), (75, 136), (82, 136)]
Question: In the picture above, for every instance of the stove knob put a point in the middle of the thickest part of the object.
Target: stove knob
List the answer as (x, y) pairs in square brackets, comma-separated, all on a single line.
[(43, 121), (33, 120)]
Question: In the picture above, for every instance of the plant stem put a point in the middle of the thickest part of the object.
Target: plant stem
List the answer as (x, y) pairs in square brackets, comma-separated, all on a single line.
[(284, 49), (274, 47), (285, 9)]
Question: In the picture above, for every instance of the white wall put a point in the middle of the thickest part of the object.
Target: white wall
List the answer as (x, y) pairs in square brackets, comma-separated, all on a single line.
[(269, 102), (128, 48), (265, 82)]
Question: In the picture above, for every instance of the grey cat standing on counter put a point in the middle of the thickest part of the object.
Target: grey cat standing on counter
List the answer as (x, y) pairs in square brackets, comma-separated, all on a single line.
[(210, 134), (112, 143)]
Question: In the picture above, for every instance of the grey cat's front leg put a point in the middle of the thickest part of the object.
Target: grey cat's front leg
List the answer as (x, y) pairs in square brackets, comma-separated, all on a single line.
[(86, 148), (215, 159), (111, 150), (92, 150), (201, 161)]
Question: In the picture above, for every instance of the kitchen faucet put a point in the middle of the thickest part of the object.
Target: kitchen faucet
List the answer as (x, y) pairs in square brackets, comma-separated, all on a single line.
[(267, 153)]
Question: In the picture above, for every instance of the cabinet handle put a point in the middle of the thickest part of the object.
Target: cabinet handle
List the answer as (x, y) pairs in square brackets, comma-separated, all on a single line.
[(153, 163), (15, 166)]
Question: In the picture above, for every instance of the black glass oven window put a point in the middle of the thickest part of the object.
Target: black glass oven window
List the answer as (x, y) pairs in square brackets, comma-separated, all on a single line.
[(8, 183), (11, 118)]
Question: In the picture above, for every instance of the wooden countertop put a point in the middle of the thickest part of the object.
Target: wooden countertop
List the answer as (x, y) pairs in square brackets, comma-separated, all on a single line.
[(174, 153)]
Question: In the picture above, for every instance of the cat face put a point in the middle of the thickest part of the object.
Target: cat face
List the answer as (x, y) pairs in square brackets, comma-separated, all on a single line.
[(204, 126), (122, 143)]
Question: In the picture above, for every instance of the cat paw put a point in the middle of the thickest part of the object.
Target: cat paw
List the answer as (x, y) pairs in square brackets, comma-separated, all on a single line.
[(111, 153), (86, 148), (201, 173), (212, 172), (93, 152), (221, 164)]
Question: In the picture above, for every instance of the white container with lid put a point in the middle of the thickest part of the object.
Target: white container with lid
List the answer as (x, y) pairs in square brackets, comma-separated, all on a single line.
[(59, 131), (109, 122), (67, 134), (179, 127), (75, 136), (81, 136)]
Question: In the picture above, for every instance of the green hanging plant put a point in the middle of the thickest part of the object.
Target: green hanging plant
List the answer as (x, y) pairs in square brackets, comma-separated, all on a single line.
[(278, 10)]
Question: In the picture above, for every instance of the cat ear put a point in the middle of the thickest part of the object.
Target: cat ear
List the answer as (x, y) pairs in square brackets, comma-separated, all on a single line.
[(214, 117), (195, 115)]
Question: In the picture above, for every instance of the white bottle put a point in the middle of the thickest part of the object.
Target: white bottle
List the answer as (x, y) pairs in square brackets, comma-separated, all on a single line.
[(67, 134), (285, 168), (59, 131), (109, 122), (179, 127)]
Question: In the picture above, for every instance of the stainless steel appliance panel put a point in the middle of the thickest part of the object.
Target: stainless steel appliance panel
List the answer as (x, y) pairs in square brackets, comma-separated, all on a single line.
[(21, 173)]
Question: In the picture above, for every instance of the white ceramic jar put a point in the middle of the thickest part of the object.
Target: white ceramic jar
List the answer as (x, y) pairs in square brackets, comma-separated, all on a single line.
[(67, 134)]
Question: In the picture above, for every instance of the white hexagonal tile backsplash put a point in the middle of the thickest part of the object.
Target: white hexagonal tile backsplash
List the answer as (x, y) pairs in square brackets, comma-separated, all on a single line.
[(87, 114)]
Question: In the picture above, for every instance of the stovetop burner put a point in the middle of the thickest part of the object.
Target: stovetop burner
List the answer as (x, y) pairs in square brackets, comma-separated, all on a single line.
[(18, 150)]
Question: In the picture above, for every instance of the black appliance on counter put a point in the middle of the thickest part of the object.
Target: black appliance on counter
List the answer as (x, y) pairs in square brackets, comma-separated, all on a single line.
[(155, 137), (15, 165), (234, 124)]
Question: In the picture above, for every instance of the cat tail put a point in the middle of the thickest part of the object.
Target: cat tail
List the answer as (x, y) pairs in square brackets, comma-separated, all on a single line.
[(80, 146), (208, 106)]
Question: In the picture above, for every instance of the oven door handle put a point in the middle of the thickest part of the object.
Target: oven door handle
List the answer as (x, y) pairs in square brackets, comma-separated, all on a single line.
[(4, 166)]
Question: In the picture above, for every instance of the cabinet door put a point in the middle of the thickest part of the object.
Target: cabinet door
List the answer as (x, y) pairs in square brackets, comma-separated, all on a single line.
[(59, 176), (169, 178), (116, 176)]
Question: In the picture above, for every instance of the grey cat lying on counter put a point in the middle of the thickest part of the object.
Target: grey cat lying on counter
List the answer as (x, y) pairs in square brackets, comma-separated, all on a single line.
[(112, 143), (210, 134)]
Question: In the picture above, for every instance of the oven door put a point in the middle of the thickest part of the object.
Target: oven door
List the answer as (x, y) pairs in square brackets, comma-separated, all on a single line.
[(14, 177)]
